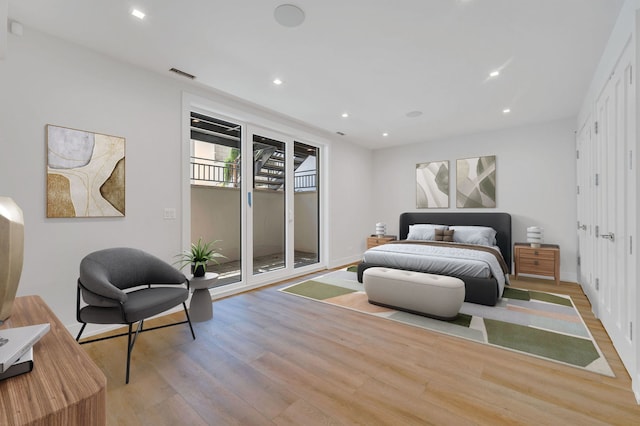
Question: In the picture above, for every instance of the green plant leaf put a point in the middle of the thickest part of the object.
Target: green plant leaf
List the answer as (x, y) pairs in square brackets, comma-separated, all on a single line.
[(200, 254)]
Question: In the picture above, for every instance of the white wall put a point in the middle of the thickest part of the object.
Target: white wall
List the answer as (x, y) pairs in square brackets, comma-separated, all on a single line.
[(268, 222), (215, 215), (306, 221), (352, 218), (45, 80), (4, 8), (535, 180)]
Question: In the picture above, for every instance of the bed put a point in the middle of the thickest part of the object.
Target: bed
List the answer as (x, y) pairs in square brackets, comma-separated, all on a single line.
[(483, 285)]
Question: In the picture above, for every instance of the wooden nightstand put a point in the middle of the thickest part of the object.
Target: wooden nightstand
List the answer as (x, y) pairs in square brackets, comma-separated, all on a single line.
[(544, 260), (374, 240)]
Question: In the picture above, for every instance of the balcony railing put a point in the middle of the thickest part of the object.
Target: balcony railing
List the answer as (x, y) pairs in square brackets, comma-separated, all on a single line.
[(305, 180), (220, 173)]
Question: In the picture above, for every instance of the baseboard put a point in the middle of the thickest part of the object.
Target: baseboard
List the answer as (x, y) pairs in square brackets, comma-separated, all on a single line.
[(336, 263), (571, 277)]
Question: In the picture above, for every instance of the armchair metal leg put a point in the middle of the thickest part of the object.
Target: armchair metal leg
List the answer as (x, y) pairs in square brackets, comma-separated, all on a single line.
[(186, 311), (81, 330), (131, 342), (129, 348), (132, 336)]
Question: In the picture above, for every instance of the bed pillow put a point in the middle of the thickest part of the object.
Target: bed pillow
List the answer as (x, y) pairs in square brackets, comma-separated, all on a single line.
[(482, 235), (423, 231), (444, 235)]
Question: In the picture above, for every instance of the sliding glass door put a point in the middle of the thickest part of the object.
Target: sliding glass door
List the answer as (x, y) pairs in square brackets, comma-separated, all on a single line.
[(269, 204), (256, 193), (285, 204), (306, 205), (216, 192)]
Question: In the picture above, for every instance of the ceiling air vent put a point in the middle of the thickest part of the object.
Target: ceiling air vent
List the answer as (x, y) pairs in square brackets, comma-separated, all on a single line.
[(182, 73)]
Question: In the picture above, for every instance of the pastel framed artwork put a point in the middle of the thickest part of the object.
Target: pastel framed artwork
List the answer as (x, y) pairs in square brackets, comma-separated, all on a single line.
[(85, 174), (432, 185), (476, 182)]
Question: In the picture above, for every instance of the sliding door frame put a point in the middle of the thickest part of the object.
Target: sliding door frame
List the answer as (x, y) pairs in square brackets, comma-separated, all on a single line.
[(248, 167), (252, 121)]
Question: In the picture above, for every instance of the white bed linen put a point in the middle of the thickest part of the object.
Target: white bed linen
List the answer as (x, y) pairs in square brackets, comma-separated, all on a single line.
[(438, 260)]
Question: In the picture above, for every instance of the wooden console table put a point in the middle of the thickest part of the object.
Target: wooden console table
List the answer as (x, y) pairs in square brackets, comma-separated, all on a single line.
[(65, 387)]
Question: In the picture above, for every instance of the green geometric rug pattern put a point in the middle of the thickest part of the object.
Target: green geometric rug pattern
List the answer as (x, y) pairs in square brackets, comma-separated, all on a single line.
[(544, 325)]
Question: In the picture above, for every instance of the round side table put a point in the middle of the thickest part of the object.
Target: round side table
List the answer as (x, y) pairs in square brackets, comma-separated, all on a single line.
[(201, 308)]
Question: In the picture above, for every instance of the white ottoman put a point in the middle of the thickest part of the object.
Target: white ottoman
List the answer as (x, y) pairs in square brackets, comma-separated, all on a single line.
[(436, 296)]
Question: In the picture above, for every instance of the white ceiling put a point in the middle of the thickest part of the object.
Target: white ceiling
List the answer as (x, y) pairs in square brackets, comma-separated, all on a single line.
[(375, 59)]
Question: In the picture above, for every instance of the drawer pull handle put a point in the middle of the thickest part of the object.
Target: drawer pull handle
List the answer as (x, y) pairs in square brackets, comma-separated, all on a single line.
[(535, 262), (536, 252)]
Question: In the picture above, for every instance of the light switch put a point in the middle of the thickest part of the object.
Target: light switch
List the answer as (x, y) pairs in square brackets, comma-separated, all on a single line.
[(169, 213)]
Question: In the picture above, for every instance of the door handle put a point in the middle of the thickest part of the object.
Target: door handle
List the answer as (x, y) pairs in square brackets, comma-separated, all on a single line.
[(611, 236)]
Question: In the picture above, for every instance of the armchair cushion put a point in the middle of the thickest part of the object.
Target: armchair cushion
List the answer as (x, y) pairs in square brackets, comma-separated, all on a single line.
[(141, 304), (106, 273)]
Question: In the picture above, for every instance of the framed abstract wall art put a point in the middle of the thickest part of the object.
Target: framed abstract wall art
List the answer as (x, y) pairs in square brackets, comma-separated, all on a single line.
[(476, 182), (432, 185), (85, 174)]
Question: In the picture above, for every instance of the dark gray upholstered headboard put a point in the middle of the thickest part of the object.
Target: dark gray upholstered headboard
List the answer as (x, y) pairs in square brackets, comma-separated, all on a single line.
[(501, 222)]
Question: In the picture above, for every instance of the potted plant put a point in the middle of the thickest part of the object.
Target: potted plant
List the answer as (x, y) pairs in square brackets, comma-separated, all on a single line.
[(199, 255)]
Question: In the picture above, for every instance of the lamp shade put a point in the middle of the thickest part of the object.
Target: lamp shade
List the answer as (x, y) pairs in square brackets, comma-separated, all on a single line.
[(535, 236), (11, 253), (381, 229)]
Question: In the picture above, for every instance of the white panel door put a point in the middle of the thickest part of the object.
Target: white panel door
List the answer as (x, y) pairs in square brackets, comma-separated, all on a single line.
[(615, 292), (585, 144)]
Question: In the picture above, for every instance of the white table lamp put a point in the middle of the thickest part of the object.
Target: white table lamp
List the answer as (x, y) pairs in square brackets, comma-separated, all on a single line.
[(535, 236)]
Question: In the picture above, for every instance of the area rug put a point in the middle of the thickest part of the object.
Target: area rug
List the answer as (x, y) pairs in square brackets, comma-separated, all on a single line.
[(544, 325)]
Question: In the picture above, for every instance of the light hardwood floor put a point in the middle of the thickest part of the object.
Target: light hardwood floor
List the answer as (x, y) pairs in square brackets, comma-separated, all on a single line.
[(273, 358)]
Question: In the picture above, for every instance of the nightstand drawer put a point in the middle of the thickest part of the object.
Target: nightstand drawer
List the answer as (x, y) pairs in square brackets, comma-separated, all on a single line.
[(536, 253), (537, 266), (374, 241)]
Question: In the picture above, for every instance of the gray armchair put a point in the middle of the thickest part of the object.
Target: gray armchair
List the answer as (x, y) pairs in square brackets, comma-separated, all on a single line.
[(154, 287)]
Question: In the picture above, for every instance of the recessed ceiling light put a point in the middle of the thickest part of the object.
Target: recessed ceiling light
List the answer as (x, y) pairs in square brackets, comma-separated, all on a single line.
[(494, 73), (277, 82), (345, 115), (385, 134), (414, 114), (288, 15), (138, 13), (506, 111)]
